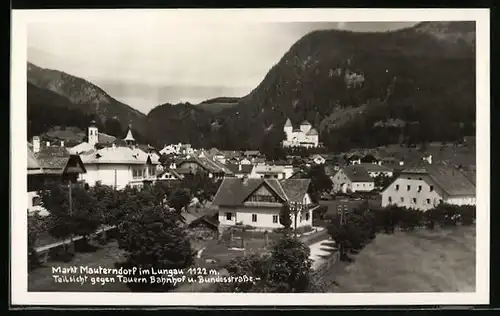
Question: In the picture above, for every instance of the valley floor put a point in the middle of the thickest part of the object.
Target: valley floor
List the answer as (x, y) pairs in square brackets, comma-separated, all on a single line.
[(421, 261)]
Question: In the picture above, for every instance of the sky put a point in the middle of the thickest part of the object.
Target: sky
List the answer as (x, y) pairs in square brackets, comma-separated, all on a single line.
[(154, 62)]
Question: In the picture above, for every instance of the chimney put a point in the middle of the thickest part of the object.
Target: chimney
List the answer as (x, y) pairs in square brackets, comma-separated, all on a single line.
[(244, 180), (36, 144), (62, 143)]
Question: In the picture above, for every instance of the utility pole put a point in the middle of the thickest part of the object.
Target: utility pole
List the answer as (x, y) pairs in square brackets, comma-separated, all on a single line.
[(342, 212), (70, 199)]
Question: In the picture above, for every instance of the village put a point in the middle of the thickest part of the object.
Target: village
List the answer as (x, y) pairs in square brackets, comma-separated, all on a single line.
[(234, 205)]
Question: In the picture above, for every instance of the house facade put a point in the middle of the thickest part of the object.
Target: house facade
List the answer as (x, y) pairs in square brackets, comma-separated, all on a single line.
[(426, 187), (119, 166), (272, 172), (49, 165), (258, 202), (353, 178), (305, 136)]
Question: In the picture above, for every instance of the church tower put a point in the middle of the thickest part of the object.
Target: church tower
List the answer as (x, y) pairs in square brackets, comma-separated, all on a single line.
[(93, 134), (288, 128), (129, 139)]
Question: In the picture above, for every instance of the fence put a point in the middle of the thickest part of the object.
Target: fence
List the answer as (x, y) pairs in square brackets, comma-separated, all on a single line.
[(43, 251)]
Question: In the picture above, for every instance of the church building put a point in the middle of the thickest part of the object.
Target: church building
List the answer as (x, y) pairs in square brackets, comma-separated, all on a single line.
[(305, 136)]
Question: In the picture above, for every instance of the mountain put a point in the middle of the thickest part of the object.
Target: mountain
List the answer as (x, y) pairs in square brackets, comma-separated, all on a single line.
[(348, 83), (85, 96), (219, 104)]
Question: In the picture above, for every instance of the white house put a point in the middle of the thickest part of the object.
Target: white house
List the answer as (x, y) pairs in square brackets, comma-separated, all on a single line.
[(318, 159), (375, 170), (426, 186), (352, 178), (169, 175), (272, 171), (305, 136), (119, 166), (258, 202), (177, 149)]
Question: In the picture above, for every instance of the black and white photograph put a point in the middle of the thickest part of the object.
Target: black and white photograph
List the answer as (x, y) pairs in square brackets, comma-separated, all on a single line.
[(216, 157)]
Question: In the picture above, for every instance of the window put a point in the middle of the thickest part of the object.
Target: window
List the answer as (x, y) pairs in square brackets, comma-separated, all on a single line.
[(254, 218), (408, 187), (428, 201), (431, 188), (414, 200), (36, 201), (307, 216), (152, 170), (420, 179), (363, 184), (229, 216), (138, 172), (275, 218), (389, 199), (402, 199), (397, 187)]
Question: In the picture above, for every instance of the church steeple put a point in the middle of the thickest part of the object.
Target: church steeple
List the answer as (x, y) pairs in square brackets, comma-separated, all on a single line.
[(129, 139)]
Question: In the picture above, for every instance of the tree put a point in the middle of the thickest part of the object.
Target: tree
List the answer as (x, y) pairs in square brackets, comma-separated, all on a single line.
[(285, 216), (290, 265), (467, 214), (179, 199), (36, 226), (286, 270), (82, 218), (257, 266), (383, 181), (201, 186), (161, 190), (320, 182), (153, 238)]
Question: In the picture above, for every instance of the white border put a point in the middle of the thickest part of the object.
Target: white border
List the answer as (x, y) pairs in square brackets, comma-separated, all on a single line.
[(20, 296)]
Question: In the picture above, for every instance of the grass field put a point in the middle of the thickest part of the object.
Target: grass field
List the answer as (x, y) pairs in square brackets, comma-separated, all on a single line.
[(41, 279), (422, 261)]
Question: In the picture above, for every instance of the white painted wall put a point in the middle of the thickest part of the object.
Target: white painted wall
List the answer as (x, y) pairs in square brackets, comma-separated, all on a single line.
[(264, 217), (362, 186), (461, 200), (105, 173), (398, 194)]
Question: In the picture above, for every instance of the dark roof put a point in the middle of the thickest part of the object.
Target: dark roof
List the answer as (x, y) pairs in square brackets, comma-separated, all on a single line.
[(244, 168), (208, 164), (305, 122), (471, 175), (371, 167), (252, 153), (54, 159), (32, 162), (357, 173), (172, 172), (312, 132), (451, 180), (234, 191)]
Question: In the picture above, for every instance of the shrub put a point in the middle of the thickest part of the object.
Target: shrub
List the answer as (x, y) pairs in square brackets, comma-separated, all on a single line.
[(467, 214)]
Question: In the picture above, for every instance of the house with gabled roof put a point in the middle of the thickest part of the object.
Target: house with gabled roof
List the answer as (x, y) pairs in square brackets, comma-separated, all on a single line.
[(47, 165), (352, 178), (258, 202), (214, 169), (240, 170), (425, 186)]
